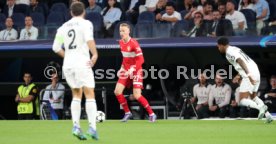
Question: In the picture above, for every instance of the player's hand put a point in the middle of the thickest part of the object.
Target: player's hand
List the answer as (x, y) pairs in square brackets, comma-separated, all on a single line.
[(131, 70), (93, 61), (122, 73), (236, 79)]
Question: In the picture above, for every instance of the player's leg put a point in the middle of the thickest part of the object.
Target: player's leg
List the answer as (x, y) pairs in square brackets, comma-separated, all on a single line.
[(254, 96), (76, 112), (91, 111), (246, 89), (246, 101), (76, 106), (260, 103), (72, 80), (120, 86), (143, 101), (263, 110)]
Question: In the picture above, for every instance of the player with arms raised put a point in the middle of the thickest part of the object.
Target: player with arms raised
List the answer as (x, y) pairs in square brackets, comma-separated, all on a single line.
[(131, 73), (248, 70), (77, 37)]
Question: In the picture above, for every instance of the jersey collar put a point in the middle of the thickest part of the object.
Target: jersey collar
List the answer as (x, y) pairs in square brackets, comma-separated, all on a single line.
[(127, 41)]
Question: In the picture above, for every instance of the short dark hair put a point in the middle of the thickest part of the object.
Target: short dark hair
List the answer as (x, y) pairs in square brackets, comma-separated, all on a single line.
[(223, 41), (77, 8), (170, 4), (231, 1), (208, 3)]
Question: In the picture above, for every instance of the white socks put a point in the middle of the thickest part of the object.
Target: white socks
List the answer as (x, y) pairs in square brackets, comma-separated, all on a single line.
[(249, 103), (259, 102), (76, 111), (267, 114), (91, 111)]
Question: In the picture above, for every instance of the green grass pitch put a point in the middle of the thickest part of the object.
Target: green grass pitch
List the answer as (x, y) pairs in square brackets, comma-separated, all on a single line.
[(142, 132)]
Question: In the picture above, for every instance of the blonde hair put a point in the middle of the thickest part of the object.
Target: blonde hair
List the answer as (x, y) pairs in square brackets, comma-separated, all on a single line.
[(125, 25)]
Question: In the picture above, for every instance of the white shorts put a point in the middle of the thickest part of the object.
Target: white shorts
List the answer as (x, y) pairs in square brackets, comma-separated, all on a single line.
[(246, 85), (79, 77)]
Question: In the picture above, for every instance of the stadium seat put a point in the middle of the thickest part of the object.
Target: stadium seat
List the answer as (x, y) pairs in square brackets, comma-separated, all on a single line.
[(68, 15), (45, 8), (180, 27), (250, 17), (116, 34), (55, 18), (38, 19), (49, 31), (18, 20), (39, 22), (59, 7), (146, 16), (143, 30), (97, 20), (23, 8), (2, 26), (162, 30), (2, 18)]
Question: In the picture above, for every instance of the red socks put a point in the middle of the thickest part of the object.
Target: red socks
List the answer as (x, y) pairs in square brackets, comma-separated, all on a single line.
[(123, 102), (145, 104)]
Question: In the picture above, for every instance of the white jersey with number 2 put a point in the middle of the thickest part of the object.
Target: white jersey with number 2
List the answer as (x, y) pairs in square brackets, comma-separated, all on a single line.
[(233, 53), (74, 34)]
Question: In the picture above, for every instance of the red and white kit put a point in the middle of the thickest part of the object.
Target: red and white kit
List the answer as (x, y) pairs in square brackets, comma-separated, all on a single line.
[(133, 59)]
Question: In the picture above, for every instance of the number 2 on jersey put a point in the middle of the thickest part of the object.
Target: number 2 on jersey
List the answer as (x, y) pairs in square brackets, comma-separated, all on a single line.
[(72, 34)]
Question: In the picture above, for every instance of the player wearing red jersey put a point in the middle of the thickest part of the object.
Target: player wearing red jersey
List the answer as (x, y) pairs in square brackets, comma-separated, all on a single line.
[(131, 73)]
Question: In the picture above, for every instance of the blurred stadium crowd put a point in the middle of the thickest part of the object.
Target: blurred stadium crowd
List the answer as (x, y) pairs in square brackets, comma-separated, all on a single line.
[(39, 19)]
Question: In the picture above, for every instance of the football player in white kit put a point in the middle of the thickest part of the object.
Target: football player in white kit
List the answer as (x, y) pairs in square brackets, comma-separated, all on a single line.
[(77, 37), (250, 74)]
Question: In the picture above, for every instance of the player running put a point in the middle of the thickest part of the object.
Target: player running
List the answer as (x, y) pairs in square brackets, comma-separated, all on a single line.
[(250, 74), (77, 37), (131, 73)]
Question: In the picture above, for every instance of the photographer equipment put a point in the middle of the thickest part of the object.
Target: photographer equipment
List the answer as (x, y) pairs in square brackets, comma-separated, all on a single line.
[(186, 95)]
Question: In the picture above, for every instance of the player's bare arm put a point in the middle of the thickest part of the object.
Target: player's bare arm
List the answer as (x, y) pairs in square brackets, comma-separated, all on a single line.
[(244, 67), (139, 59), (92, 47), (236, 79), (61, 53)]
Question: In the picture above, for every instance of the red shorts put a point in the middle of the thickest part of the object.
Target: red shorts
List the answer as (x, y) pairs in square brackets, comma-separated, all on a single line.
[(136, 81)]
